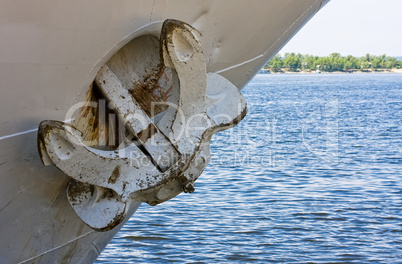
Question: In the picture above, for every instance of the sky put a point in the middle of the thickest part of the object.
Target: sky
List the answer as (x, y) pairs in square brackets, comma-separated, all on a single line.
[(352, 27)]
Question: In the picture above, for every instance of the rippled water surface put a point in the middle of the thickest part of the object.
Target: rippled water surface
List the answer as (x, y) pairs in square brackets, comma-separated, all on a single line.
[(313, 174)]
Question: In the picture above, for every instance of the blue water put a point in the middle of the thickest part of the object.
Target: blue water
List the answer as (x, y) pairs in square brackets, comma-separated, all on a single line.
[(312, 175)]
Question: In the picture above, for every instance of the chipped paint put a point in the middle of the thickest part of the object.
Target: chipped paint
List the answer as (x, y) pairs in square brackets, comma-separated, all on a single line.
[(164, 155), (115, 175)]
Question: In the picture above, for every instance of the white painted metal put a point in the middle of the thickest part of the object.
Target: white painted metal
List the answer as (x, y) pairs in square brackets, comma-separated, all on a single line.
[(135, 119), (51, 52), (107, 182)]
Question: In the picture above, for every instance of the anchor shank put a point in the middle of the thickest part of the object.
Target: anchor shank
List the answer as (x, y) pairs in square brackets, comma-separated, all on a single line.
[(156, 144)]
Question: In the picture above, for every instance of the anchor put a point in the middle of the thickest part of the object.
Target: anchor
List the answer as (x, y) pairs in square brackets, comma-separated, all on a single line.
[(166, 157)]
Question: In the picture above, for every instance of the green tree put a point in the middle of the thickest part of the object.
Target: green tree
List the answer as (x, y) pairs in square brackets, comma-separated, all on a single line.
[(376, 63), (368, 57), (292, 61), (276, 63), (333, 62), (347, 66), (364, 65)]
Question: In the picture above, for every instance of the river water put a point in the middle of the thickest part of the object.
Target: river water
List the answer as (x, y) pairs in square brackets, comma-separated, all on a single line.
[(313, 174)]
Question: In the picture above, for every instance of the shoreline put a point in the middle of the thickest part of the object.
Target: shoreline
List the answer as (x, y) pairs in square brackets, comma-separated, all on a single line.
[(335, 72)]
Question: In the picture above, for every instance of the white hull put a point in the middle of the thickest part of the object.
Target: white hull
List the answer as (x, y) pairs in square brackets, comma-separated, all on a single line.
[(50, 54)]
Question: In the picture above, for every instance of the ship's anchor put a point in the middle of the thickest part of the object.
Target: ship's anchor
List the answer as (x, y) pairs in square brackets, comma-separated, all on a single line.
[(167, 156)]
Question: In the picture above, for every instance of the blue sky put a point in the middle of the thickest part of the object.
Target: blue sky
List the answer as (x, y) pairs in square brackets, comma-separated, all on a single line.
[(352, 27)]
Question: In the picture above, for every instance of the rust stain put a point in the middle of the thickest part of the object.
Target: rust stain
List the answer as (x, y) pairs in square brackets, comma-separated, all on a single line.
[(147, 133), (104, 130), (114, 222), (85, 110), (108, 193), (115, 175), (95, 125), (76, 189), (150, 92)]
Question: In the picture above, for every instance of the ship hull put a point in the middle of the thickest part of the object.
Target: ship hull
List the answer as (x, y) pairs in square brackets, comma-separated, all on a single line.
[(51, 52)]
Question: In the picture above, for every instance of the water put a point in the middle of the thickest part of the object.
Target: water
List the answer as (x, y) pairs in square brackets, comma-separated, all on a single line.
[(312, 175)]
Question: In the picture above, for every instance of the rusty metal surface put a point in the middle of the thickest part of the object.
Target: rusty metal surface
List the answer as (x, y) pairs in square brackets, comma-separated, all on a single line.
[(159, 157)]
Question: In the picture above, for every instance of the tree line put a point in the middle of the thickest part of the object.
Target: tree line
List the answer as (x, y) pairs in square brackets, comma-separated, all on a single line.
[(335, 62)]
